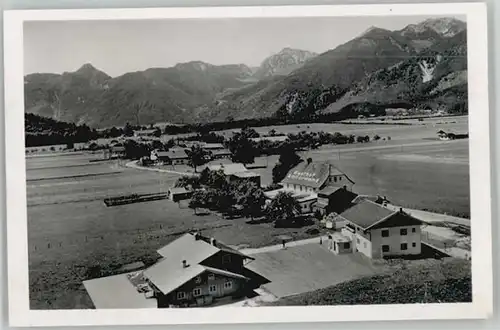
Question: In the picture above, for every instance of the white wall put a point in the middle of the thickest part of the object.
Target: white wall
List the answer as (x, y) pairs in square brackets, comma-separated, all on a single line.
[(394, 241)]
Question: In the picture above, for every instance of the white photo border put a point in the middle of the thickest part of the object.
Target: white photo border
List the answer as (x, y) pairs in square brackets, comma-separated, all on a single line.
[(480, 176)]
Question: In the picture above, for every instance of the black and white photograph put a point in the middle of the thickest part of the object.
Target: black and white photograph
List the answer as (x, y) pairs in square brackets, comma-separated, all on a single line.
[(261, 162)]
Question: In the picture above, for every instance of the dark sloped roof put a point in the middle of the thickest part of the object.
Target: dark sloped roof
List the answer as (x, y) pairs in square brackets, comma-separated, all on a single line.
[(172, 154), (398, 219), (340, 199), (366, 214)]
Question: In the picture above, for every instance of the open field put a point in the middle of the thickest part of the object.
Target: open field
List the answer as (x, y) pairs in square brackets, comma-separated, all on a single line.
[(418, 130)]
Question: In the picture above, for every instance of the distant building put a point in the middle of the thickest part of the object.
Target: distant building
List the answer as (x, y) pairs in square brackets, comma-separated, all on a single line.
[(312, 177), (219, 154), (378, 232), (145, 133), (174, 156), (197, 270), (306, 200), (117, 152), (237, 172), (177, 194), (246, 176)]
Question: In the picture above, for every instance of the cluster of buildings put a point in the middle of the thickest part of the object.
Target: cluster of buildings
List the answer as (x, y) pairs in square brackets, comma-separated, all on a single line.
[(362, 224), (178, 155)]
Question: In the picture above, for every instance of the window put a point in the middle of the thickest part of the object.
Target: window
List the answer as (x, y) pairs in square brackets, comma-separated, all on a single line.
[(358, 241), (211, 276), (198, 279), (212, 289), (305, 206), (347, 245), (197, 292), (385, 233), (404, 246), (228, 284), (413, 230), (335, 178), (226, 259), (413, 244), (181, 295), (403, 232), (385, 248)]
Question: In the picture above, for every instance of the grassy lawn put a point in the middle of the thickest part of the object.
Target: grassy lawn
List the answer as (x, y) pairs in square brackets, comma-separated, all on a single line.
[(445, 281)]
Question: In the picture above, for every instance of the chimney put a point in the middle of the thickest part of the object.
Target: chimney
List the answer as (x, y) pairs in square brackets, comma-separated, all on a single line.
[(385, 198), (213, 241), (197, 236), (345, 187), (401, 210), (185, 264)]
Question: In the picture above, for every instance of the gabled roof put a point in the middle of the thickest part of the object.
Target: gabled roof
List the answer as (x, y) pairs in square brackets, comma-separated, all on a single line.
[(312, 174), (229, 169), (176, 153), (179, 190), (339, 198), (212, 146), (216, 152), (118, 149), (246, 174), (370, 215), (169, 273), (366, 213)]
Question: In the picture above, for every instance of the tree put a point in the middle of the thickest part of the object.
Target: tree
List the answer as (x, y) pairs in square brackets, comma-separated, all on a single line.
[(283, 207), (288, 160), (196, 156), (198, 200), (128, 130), (251, 198), (158, 145), (188, 182), (157, 132), (242, 149)]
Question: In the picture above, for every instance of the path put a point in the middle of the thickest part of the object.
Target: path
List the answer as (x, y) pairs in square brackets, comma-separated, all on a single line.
[(432, 217), (134, 165), (278, 247)]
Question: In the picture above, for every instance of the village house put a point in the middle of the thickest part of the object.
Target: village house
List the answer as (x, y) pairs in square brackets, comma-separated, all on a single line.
[(117, 151), (145, 133), (174, 156), (197, 271), (306, 201), (219, 154), (313, 176), (378, 232), (237, 172)]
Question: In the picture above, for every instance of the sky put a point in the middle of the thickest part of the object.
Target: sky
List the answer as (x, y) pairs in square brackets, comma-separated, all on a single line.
[(118, 47)]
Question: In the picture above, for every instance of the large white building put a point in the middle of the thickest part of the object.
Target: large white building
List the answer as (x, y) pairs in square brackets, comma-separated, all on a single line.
[(313, 176), (378, 232)]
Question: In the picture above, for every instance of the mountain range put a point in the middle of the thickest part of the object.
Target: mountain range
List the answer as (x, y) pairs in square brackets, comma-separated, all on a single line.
[(422, 65)]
